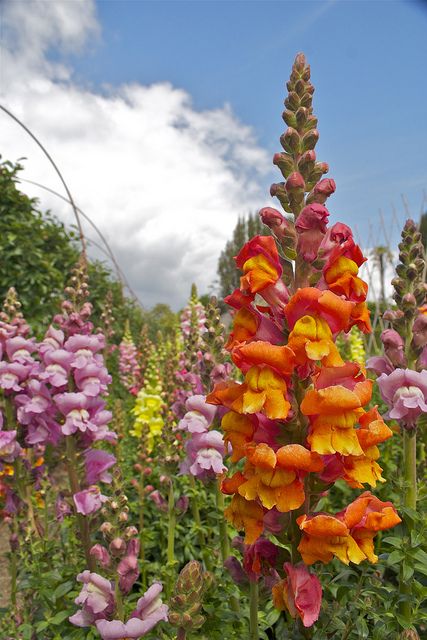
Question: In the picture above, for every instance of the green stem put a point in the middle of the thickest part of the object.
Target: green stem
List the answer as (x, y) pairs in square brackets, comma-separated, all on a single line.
[(223, 534), (197, 519), (13, 573), (171, 525), (410, 501), (253, 614), (181, 635), (119, 601), (82, 521), (224, 539)]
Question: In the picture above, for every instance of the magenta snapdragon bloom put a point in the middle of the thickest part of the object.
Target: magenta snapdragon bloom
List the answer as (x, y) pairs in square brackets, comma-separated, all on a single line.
[(89, 500), (300, 593), (311, 227), (259, 558), (97, 463), (57, 367), (199, 415), (96, 598), (84, 348), (205, 452), (405, 392), (149, 611)]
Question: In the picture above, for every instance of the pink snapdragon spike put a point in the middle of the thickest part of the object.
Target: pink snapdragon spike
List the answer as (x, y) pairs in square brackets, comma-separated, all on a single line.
[(300, 593), (129, 368), (149, 611), (97, 463), (199, 415), (405, 392), (96, 598), (89, 501), (205, 452)]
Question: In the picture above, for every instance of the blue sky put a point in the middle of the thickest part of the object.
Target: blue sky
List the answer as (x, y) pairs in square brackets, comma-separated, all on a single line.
[(104, 83), (368, 64)]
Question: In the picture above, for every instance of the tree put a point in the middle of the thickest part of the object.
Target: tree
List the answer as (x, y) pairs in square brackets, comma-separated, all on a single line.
[(229, 276), (37, 256)]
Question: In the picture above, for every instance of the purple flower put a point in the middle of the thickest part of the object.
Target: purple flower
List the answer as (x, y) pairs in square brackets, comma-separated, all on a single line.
[(9, 448), (54, 339), (62, 508), (97, 462), (236, 571), (259, 558), (84, 348), (205, 452), (74, 406), (149, 611), (92, 379), (199, 415), (12, 374), (57, 367), (89, 500), (405, 392), (379, 365), (19, 349), (96, 598)]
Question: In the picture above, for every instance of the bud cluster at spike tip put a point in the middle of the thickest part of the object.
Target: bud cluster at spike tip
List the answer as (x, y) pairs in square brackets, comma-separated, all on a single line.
[(299, 415)]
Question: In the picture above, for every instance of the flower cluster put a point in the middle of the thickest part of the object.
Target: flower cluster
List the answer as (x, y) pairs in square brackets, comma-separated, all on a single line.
[(148, 406), (205, 448), (299, 418), (129, 369)]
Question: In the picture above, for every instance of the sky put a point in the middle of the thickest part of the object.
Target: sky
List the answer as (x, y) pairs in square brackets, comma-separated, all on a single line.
[(164, 116)]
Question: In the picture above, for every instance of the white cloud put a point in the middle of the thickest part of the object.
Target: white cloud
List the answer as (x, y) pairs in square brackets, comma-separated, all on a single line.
[(164, 182)]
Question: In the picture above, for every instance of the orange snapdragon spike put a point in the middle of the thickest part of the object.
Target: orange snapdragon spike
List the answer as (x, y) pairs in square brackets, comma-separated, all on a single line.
[(259, 261), (341, 278), (348, 535), (246, 515), (311, 340)]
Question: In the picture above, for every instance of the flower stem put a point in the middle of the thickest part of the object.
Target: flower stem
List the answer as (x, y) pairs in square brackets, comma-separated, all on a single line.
[(253, 614), (224, 539), (200, 535), (82, 522), (171, 538), (410, 501), (119, 601)]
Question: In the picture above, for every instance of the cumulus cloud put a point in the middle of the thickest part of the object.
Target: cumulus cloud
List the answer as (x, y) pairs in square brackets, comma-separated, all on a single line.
[(163, 181)]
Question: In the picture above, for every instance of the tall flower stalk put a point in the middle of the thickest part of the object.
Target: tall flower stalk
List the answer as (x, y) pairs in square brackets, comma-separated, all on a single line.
[(298, 422), (403, 377)]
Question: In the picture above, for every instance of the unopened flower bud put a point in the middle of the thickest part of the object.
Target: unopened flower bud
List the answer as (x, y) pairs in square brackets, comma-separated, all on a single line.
[(117, 547), (175, 619), (123, 516), (310, 139), (137, 467), (409, 301), (130, 532), (409, 634), (290, 141), (106, 528), (285, 162), (295, 182)]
